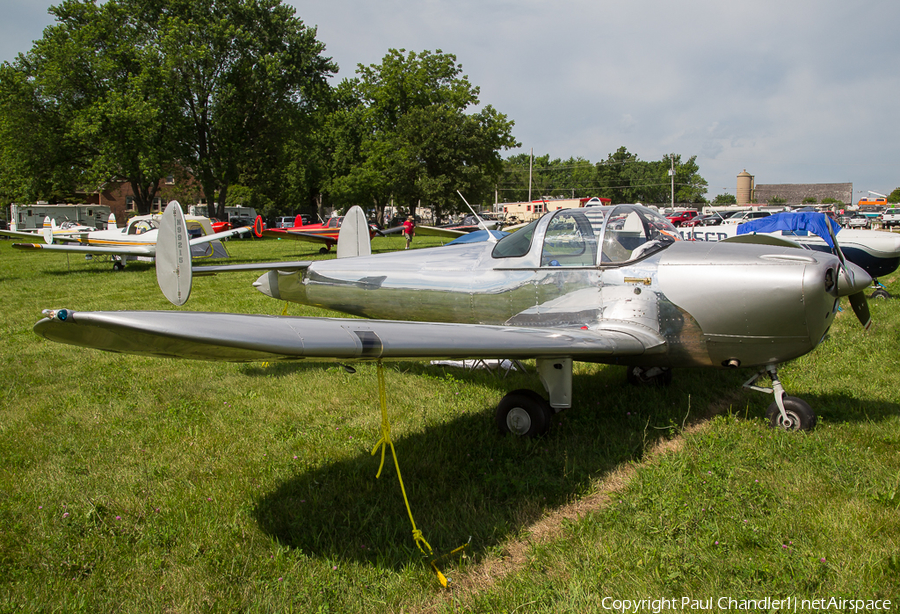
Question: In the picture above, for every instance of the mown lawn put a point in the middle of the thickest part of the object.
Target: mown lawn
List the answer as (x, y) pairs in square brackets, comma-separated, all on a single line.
[(131, 484)]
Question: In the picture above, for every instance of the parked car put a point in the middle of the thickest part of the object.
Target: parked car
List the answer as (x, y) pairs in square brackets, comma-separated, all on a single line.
[(858, 220), (890, 218), (680, 217), (290, 221), (713, 219), (745, 216)]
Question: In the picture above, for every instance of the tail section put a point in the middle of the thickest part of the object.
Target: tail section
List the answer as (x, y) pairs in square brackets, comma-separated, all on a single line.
[(173, 256), (111, 222), (47, 230), (354, 238)]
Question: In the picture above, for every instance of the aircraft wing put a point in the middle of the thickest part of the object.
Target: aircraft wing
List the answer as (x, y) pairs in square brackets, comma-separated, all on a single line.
[(240, 337), (225, 234), (121, 250), (20, 234), (434, 231), (300, 236)]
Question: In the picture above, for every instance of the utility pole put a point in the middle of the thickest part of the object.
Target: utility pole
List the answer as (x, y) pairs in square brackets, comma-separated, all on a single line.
[(530, 165), (672, 175)]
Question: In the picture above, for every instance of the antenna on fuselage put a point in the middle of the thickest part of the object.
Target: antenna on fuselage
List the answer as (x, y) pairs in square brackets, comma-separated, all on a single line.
[(481, 223)]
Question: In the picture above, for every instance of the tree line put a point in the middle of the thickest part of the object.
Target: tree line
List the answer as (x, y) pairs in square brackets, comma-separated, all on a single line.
[(236, 95)]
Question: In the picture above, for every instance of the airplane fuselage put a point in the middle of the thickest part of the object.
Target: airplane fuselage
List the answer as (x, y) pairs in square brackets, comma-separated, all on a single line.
[(713, 304)]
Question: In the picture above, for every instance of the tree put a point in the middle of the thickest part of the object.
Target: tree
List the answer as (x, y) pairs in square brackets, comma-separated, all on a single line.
[(93, 82), (894, 197), (243, 73), (417, 142), (132, 88), (724, 200)]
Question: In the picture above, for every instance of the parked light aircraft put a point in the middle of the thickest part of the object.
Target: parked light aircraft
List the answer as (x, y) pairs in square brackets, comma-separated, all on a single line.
[(138, 238), (51, 230), (602, 284), (325, 234)]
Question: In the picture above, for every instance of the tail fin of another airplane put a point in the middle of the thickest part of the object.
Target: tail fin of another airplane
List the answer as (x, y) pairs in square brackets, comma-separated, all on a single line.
[(47, 231), (111, 222), (173, 256), (354, 238)]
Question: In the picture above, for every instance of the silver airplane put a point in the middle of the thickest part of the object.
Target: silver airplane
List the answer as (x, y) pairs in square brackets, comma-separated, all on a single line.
[(612, 284)]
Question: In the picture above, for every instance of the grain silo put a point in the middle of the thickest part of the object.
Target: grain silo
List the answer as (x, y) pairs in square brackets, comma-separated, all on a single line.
[(744, 188)]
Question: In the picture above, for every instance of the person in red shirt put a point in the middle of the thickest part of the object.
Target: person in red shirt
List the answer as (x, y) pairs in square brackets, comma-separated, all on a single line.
[(409, 229)]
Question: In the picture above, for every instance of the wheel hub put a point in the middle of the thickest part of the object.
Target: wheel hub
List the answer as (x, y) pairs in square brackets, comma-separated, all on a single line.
[(518, 421)]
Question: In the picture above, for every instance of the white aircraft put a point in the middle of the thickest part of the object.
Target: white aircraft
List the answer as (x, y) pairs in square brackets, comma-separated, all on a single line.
[(51, 230), (138, 238)]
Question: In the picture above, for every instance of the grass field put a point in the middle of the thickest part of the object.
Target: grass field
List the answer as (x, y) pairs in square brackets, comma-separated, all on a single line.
[(130, 484)]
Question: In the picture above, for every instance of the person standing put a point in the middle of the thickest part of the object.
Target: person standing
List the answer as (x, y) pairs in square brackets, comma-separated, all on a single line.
[(409, 229)]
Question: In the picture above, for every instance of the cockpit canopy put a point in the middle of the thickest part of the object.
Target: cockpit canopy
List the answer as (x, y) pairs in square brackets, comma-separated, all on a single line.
[(591, 236), (139, 226)]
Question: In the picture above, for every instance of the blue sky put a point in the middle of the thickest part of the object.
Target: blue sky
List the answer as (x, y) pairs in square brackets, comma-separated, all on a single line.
[(795, 92)]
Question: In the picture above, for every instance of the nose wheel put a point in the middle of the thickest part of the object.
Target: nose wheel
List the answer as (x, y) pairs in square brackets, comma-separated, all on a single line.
[(786, 412)]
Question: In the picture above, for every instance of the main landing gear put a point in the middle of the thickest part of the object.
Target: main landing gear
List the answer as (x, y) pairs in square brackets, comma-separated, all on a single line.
[(525, 412), (786, 412)]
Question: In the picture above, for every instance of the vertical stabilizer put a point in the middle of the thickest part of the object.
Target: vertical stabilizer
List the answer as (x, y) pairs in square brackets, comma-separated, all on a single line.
[(173, 256), (354, 238)]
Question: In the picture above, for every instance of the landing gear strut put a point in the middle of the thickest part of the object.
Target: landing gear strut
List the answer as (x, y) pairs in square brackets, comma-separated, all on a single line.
[(786, 412)]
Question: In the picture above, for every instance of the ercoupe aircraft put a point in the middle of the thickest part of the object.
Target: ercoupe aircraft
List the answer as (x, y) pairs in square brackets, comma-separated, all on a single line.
[(51, 230), (139, 238), (602, 284), (325, 234)]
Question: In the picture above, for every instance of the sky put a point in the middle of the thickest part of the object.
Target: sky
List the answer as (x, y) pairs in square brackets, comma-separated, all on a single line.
[(797, 91)]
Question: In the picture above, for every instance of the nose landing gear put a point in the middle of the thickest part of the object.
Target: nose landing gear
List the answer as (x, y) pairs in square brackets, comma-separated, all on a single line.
[(786, 412)]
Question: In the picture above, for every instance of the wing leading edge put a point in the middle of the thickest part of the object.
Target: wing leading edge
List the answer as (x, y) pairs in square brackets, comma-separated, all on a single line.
[(240, 338)]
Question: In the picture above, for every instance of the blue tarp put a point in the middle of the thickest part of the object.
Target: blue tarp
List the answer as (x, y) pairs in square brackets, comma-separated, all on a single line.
[(796, 222)]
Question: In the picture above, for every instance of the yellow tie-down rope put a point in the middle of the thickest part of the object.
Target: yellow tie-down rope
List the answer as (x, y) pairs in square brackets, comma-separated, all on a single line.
[(383, 443)]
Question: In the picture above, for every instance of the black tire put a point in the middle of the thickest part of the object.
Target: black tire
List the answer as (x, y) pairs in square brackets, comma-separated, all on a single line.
[(323, 250), (800, 415), (524, 413), (880, 293), (645, 376), (118, 266)]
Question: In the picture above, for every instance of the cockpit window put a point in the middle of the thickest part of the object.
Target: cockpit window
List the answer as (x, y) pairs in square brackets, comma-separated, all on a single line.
[(515, 245), (633, 233), (570, 240), (142, 226)]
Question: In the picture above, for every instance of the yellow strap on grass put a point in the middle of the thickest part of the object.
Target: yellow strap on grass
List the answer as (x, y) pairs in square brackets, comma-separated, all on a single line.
[(383, 443)]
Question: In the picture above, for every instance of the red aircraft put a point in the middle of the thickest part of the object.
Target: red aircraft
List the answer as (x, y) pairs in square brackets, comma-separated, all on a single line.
[(326, 233)]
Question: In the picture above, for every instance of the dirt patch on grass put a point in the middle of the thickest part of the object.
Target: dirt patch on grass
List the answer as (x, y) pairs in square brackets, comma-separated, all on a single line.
[(515, 553)]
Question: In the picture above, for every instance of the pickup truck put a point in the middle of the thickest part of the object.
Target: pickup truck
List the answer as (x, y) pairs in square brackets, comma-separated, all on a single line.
[(890, 218), (679, 217)]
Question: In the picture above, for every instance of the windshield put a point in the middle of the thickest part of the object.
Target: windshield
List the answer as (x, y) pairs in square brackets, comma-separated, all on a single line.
[(515, 245)]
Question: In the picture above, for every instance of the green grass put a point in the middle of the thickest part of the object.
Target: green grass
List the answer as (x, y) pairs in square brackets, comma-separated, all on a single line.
[(130, 484)]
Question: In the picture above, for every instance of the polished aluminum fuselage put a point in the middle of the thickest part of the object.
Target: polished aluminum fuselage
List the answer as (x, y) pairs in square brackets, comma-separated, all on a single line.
[(714, 304)]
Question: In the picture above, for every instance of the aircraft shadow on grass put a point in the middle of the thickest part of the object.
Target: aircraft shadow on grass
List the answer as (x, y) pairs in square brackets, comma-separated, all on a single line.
[(464, 480)]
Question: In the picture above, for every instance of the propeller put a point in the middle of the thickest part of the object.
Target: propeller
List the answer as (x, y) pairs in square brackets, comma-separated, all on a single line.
[(857, 280)]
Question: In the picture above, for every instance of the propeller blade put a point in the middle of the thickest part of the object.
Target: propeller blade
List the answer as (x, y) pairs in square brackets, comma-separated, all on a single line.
[(860, 306)]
